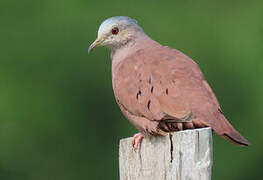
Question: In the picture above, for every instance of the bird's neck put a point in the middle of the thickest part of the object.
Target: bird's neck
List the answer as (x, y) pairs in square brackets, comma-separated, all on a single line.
[(140, 41)]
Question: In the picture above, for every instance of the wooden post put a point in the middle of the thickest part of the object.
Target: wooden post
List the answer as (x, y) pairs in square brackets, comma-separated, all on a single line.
[(183, 155)]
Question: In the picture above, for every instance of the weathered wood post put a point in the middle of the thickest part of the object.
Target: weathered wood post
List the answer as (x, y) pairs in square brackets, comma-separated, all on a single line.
[(184, 155)]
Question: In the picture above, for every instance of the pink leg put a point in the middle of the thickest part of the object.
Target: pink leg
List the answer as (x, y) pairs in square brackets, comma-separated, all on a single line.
[(137, 139)]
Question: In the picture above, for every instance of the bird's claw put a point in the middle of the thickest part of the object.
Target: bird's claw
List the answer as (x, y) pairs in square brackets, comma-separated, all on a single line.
[(136, 141)]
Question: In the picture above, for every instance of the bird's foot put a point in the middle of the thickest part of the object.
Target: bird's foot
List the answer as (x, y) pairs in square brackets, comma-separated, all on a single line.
[(136, 141)]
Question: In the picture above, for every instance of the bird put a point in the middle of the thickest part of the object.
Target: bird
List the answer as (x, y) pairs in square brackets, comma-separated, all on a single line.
[(159, 89)]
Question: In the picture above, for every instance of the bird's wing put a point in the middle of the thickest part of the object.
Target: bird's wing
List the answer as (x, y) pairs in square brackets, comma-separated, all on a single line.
[(165, 84), (154, 85)]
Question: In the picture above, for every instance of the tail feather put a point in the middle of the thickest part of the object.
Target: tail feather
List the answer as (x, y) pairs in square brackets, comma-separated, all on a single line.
[(230, 134), (240, 141)]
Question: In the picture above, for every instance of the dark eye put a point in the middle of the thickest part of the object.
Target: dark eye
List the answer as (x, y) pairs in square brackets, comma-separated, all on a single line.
[(115, 30)]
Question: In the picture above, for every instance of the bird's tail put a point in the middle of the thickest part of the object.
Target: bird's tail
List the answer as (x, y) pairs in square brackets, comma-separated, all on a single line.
[(230, 134)]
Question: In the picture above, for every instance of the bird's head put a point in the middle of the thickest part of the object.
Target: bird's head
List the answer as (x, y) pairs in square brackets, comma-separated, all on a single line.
[(116, 32)]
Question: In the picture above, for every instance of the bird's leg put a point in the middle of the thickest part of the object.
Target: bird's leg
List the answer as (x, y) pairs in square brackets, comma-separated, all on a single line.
[(136, 141)]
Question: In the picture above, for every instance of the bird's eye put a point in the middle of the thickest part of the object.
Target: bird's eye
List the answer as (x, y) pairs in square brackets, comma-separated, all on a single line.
[(115, 30)]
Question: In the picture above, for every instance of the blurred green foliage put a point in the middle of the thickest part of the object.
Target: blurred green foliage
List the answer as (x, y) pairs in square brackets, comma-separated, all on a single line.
[(58, 116)]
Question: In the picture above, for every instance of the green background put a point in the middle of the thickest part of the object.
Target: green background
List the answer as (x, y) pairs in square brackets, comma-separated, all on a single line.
[(58, 116)]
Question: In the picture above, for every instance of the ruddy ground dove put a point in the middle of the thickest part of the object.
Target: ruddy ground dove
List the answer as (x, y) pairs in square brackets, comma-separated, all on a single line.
[(159, 89)]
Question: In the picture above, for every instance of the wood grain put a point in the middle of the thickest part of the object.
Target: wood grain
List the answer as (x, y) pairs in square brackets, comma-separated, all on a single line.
[(183, 155)]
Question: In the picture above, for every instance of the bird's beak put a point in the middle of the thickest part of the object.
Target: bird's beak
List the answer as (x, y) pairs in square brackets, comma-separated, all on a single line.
[(97, 42)]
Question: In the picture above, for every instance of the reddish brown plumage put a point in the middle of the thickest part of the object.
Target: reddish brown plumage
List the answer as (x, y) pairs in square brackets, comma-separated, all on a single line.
[(160, 89)]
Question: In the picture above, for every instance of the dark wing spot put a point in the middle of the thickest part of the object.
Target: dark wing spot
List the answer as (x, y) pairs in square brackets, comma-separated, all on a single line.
[(150, 80), (138, 94), (166, 91), (149, 104), (152, 89)]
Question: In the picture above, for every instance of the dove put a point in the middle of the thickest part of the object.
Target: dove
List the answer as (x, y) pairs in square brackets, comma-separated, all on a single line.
[(159, 89)]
